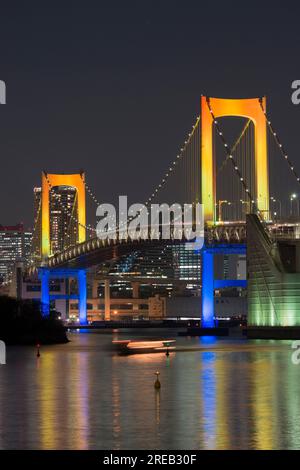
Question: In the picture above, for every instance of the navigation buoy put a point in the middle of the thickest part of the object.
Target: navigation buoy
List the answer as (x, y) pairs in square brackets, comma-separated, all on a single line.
[(38, 350), (167, 345), (157, 382)]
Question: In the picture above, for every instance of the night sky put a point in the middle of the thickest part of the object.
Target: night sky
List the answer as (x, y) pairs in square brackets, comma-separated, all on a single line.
[(114, 87)]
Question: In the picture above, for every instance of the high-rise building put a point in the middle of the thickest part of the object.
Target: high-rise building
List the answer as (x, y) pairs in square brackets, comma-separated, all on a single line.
[(187, 263), (230, 266), (36, 235), (63, 217), (153, 262), (63, 214), (171, 269), (15, 245)]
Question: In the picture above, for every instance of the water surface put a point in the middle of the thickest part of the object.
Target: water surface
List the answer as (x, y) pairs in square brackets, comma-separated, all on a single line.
[(235, 394)]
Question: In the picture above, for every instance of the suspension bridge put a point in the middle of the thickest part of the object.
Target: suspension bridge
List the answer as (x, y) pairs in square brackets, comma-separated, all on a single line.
[(240, 177)]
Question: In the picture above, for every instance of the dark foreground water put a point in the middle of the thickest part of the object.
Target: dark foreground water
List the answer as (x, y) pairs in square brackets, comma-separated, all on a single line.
[(235, 394)]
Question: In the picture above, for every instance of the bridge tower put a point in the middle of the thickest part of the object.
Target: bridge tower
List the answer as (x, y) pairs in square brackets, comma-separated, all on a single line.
[(251, 109), (247, 108), (50, 181)]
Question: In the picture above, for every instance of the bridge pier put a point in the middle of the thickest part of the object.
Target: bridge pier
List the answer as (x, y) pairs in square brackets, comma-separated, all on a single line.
[(45, 291), (209, 284), (81, 279), (207, 289), (106, 300), (45, 274)]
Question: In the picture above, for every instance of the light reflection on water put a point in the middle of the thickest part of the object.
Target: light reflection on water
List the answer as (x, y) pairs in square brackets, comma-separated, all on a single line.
[(235, 394)]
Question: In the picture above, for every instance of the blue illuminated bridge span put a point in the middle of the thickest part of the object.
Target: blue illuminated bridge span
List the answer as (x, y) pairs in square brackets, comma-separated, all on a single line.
[(238, 181)]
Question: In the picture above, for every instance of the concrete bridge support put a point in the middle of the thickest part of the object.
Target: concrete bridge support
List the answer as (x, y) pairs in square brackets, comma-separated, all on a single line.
[(273, 278)]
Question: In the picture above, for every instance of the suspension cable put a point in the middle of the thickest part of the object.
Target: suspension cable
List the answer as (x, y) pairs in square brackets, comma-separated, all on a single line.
[(233, 148), (180, 155), (278, 142), (162, 183)]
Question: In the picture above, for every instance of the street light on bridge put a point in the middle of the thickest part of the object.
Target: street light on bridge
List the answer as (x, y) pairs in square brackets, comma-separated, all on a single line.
[(294, 197), (279, 203)]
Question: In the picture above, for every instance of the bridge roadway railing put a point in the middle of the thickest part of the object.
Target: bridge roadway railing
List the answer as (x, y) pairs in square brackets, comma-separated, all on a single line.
[(285, 231), (225, 232), (221, 233)]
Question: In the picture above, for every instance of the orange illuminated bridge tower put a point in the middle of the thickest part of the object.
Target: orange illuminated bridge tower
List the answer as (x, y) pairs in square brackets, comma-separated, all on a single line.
[(50, 181), (247, 108), (211, 109)]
